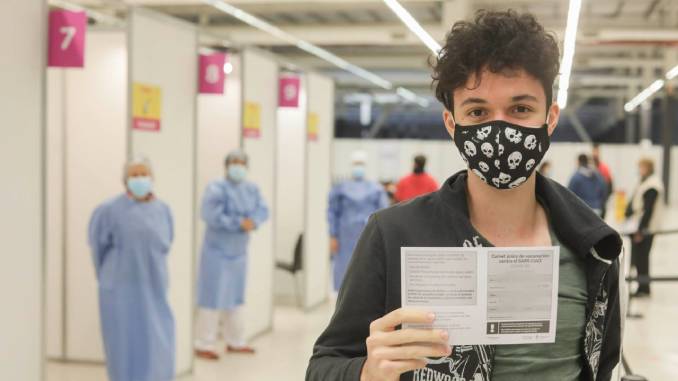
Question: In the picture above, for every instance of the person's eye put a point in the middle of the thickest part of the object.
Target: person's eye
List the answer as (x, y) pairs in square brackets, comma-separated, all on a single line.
[(476, 113), (521, 109)]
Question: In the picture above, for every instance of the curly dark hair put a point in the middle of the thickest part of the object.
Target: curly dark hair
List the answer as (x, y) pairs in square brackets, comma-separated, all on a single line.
[(496, 40)]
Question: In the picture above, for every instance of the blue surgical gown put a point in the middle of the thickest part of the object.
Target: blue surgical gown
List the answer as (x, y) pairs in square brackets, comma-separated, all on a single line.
[(130, 241), (350, 204), (223, 262)]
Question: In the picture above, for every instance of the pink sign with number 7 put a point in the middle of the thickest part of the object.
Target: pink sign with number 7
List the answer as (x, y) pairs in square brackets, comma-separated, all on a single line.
[(67, 39)]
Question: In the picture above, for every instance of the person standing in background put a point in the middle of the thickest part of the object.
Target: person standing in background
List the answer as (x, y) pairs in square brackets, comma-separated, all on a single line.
[(604, 170), (350, 204), (645, 210), (130, 236), (232, 208), (417, 183), (588, 185)]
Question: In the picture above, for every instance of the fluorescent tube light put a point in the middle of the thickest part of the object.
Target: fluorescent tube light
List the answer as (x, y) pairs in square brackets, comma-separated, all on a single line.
[(414, 26), (568, 51), (672, 73), (644, 95)]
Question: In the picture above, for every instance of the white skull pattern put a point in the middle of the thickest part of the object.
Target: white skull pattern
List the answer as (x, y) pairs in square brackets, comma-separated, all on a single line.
[(530, 163), (531, 142), (483, 133), (497, 163), (479, 174), (501, 150), (501, 180), (514, 160), (483, 166), (487, 149), (517, 182), (512, 135), (469, 148)]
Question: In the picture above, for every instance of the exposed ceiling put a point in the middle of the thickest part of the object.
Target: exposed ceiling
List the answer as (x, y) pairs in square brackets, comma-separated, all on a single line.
[(622, 45)]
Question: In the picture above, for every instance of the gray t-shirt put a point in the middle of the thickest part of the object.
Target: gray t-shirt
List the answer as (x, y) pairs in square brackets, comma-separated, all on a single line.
[(562, 360)]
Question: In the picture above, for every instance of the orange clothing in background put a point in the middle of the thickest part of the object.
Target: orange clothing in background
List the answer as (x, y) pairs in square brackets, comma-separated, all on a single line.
[(415, 185), (605, 171)]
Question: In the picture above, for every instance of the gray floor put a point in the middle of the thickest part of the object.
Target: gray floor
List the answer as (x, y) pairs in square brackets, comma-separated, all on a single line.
[(651, 343), (281, 355)]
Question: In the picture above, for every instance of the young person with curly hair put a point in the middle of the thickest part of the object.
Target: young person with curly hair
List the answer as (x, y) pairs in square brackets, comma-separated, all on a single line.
[(494, 76)]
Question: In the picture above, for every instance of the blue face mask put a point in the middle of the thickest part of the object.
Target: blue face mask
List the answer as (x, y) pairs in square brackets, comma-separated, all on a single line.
[(358, 172), (140, 186), (237, 172)]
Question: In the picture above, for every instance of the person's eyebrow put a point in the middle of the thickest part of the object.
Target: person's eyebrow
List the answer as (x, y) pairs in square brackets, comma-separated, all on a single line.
[(473, 100), (524, 97)]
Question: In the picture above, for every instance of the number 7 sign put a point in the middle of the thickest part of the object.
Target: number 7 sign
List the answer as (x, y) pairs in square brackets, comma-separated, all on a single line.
[(67, 38)]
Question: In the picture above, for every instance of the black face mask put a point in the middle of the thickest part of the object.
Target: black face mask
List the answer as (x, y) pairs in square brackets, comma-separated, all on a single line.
[(502, 154)]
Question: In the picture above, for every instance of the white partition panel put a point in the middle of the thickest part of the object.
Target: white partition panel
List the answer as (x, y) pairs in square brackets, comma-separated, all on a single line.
[(218, 127), (163, 53), (290, 192), (54, 249), (22, 84), (260, 87), (450, 161), (94, 109), (290, 187), (320, 92)]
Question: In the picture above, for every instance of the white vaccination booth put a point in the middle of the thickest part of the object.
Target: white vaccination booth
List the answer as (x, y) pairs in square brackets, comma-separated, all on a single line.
[(23, 31)]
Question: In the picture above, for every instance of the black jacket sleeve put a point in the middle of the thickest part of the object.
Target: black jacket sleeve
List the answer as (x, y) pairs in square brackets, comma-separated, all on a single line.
[(340, 352), (649, 200)]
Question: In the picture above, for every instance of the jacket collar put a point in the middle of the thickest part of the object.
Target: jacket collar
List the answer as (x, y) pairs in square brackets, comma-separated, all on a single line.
[(574, 223)]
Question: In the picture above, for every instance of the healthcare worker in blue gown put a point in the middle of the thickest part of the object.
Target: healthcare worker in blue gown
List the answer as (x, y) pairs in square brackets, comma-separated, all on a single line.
[(350, 204), (130, 236), (232, 208)]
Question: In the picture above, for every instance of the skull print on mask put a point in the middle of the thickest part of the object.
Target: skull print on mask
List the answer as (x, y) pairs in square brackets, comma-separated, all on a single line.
[(514, 150)]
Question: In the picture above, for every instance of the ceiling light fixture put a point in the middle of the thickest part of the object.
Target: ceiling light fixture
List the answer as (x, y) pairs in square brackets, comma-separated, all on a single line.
[(644, 95), (568, 51), (650, 90), (414, 26)]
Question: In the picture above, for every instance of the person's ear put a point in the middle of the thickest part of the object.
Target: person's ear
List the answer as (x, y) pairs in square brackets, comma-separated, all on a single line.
[(553, 115), (450, 124)]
